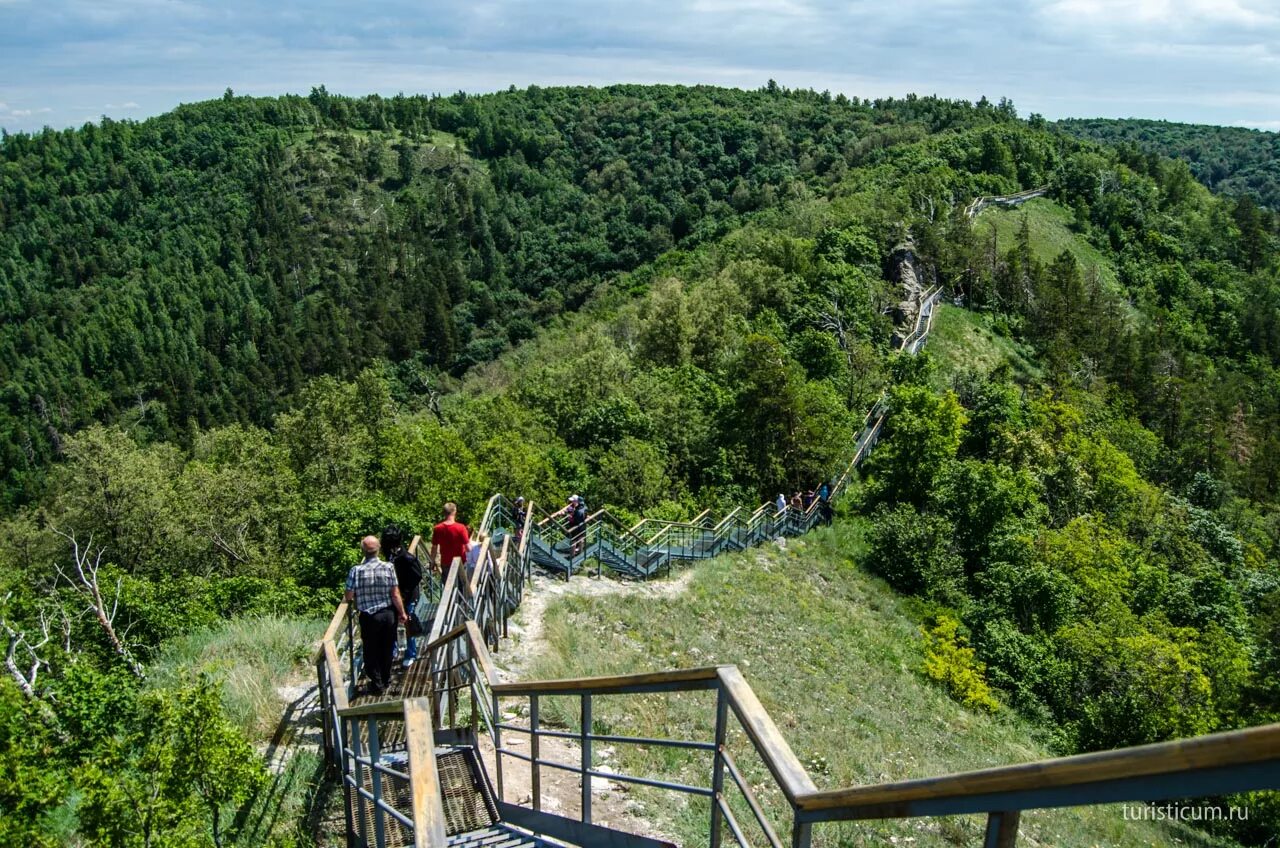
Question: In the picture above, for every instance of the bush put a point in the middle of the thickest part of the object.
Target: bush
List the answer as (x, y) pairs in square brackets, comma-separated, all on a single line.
[(949, 660), (331, 533), (913, 552)]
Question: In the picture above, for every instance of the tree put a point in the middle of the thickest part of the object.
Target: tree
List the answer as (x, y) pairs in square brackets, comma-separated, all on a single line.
[(665, 336), (169, 776), (31, 784), (922, 435)]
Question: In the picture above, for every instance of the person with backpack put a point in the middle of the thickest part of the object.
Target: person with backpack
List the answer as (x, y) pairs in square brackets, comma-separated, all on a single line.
[(409, 577), (575, 512)]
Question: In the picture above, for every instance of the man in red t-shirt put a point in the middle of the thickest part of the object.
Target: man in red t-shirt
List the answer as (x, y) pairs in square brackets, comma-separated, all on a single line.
[(449, 540)]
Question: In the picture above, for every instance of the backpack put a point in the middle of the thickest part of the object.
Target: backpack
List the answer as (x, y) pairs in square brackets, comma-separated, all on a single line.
[(579, 515)]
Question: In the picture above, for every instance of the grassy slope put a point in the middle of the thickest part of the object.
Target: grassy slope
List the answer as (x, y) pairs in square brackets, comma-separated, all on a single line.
[(966, 341), (1050, 228), (834, 656)]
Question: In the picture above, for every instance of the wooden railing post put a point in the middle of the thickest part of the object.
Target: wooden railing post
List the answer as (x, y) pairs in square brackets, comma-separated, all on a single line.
[(717, 768), (1002, 829), (586, 758), (535, 768), (428, 806)]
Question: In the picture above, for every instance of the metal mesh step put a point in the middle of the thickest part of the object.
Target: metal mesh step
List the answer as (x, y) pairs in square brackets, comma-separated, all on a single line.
[(498, 836), (468, 801)]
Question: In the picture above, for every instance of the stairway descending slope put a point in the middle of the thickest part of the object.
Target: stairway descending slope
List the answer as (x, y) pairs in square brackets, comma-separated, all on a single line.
[(411, 762)]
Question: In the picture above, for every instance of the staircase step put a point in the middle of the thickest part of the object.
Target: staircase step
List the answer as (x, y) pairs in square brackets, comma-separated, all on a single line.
[(499, 836)]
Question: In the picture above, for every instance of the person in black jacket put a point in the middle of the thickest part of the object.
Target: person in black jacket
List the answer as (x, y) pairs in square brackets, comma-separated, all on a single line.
[(409, 577)]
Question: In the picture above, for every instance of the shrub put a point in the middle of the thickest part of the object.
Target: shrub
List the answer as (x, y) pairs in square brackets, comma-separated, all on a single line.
[(913, 552), (949, 660)]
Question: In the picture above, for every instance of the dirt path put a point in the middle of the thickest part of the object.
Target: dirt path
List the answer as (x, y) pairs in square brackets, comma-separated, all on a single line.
[(525, 642), (612, 802)]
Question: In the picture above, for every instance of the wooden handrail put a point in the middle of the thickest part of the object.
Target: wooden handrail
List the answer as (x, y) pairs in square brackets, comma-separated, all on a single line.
[(482, 562), (334, 667), (330, 632), (389, 707), (1233, 748), (424, 781), (471, 631), (481, 652), (449, 589), (765, 736), (659, 681)]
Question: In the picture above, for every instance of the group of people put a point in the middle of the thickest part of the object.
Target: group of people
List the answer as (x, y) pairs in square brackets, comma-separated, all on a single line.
[(386, 587), (801, 501)]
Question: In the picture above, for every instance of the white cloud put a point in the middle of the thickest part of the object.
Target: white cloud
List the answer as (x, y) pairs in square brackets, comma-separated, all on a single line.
[(123, 107), (21, 113), (1107, 15)]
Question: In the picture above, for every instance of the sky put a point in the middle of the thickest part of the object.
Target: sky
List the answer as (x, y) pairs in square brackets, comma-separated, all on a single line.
[(66, 62)]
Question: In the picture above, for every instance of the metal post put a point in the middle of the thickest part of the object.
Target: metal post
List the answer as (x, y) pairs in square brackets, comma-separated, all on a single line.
[(535, 768), (801, 833), (375, 778), (497, 748), (357, 775), (325, 730), (1002, 829), (342, 775), (717, 768), (586, 759)]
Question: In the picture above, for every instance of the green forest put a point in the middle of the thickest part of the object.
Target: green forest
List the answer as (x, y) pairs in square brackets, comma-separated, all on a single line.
[(1234, 161), (238, 336)]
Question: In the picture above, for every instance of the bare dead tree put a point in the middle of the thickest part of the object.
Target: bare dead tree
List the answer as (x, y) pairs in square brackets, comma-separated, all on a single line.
[(85, 578), (22, 657)]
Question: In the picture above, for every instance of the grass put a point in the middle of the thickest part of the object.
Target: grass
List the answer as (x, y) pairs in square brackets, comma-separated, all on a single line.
[(834, 656), (962, 340), (1050, 227), (252, 656)]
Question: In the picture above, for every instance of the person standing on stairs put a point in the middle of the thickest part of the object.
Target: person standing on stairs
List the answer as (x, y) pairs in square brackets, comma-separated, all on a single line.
[(449, 541), (409, 577), (372, 587), (575, 512)]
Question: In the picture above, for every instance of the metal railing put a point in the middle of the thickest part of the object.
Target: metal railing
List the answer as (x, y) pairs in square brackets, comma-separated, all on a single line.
[(980, 203), (377, 792), (1237, 761)]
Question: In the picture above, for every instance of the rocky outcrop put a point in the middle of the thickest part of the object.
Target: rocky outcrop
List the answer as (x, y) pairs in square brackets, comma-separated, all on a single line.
[(905, 269)]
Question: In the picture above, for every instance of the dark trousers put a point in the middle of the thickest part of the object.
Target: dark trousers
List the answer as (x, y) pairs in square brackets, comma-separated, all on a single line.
[(378, 632)]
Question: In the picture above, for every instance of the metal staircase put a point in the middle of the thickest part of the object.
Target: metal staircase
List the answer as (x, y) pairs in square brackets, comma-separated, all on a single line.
[(414, 770)]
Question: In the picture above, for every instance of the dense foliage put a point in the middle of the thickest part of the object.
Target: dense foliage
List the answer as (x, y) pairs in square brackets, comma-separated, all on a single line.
[(283, 341), (1232, 160), (197, 268)]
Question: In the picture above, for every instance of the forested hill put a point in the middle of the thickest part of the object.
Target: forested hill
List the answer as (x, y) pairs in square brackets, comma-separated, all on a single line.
[(221, 330), (196, 268), (1235, 161)]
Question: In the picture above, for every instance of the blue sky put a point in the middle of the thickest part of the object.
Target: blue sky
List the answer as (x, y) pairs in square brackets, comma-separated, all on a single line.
[(64, 62)]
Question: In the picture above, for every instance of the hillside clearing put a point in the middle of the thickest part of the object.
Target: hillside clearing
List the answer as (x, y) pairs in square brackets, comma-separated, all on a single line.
[(833, 655)]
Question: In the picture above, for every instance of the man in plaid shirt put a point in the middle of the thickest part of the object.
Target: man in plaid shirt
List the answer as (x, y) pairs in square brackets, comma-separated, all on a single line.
[(372, 586)]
